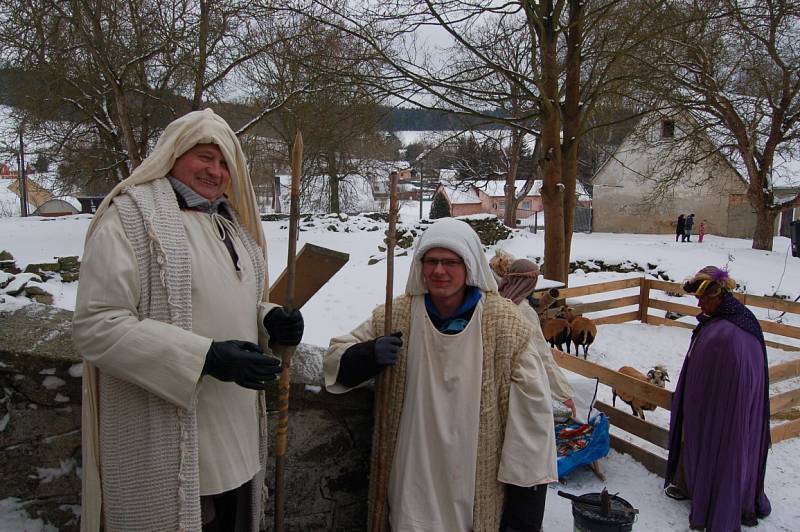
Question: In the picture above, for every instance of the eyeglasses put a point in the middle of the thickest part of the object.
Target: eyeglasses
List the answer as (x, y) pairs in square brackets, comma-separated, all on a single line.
[(448, 264)]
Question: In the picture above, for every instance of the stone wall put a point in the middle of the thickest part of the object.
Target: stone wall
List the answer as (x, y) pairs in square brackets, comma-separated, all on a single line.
[(329, 435)]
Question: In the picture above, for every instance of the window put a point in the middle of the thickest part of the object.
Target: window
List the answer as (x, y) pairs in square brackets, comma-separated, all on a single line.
[(526, 205), (667, 129), (503, 204)]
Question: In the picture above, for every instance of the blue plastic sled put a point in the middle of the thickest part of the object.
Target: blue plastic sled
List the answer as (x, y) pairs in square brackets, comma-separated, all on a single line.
[(596, 448)]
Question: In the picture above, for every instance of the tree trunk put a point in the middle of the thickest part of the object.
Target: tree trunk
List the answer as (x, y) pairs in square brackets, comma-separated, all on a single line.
[(94, 36), (333, 183), (125, 125), (552, 187), (515, 152), (572, 123), (765, 229), (202, 44)]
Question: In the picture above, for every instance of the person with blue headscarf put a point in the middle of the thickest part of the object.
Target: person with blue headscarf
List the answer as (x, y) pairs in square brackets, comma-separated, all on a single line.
[(468, 422)]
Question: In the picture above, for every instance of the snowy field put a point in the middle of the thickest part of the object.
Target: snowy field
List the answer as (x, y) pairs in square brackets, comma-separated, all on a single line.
[(349, 298)]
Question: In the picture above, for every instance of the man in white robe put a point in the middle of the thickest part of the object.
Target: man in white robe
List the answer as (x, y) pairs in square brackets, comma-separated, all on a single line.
[(172, 321), (468, 420)]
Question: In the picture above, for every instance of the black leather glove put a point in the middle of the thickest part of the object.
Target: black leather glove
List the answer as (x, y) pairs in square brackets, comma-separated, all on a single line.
[(241, 362), (284, 327), (364, 360), (387, 348)]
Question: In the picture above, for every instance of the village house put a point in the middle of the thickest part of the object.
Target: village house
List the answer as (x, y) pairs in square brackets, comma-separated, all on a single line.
[(489, 197), (626, 189)]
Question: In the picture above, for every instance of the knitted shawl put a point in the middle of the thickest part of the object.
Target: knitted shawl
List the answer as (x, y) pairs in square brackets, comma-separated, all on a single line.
[(505, 335), (149, 455)]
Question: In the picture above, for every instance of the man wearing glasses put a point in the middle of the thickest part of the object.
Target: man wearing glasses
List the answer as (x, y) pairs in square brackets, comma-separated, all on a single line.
[(469, 427)]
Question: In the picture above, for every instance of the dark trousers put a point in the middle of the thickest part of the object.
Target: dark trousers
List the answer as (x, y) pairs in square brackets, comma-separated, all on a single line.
[(231, 510), (524, 510)]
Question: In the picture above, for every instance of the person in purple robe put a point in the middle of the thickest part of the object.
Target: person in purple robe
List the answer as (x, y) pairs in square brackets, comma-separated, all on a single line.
[(719, 428)]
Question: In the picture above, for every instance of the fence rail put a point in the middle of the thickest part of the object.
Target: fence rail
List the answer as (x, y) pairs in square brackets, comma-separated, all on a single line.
[(643, 301)]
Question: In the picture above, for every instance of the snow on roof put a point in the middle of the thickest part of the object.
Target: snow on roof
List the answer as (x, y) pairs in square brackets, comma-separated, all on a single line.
[(460, 194), (495, 189)]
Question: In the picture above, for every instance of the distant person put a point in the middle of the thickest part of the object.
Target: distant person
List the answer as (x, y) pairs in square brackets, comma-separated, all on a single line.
[(173, 325), (469, 426), (687, 229), (680, 228), (719, 427), (701, 231), (517, 283)]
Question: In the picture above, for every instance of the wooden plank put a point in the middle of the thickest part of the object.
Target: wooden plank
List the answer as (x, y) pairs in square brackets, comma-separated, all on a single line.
[(606, 304), (686, 310), (644, 298), (658, 320), (784, 401), (651, 462), (781, 329), (629, 423), (618, 318), (643, 390), (785, 347), (784, 371), (599, 288), (315, 266), (666, 286), (772, 303), (784, 431), (750, 300)]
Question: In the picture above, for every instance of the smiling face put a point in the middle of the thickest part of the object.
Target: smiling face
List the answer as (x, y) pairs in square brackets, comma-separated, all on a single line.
[(445, 275), (204, 170)]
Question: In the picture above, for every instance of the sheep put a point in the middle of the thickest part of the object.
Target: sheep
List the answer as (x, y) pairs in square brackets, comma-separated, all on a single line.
[(657, 376), (557, 332), (583, 330)]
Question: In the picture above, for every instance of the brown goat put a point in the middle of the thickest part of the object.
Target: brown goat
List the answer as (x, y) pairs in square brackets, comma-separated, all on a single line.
[(583, 331), (657, 376), (557, 332)]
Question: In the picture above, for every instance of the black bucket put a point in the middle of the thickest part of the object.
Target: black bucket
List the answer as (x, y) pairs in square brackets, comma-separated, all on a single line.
[(588, 515)]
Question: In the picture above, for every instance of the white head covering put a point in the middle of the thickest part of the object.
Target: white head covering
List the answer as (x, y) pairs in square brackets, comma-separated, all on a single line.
[(460, 238), (181, 135)]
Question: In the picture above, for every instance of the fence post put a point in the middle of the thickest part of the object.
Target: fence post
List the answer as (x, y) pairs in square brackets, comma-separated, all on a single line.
[(644, 298)]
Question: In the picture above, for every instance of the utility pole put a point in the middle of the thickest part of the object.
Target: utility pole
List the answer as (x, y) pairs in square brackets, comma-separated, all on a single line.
[(23, 185), (421, 189)]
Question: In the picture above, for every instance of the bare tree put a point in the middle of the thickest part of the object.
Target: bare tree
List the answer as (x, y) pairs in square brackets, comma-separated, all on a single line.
[(335, 109), (112, 74), (732, 70), (556, 85)]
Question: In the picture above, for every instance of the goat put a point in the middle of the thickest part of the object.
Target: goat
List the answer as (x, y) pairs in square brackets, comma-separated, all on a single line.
[(557, 332), (657, 376), (583, 331)]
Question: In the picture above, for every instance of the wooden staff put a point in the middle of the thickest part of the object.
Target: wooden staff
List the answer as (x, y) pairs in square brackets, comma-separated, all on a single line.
[(286, 352), (384, 398)]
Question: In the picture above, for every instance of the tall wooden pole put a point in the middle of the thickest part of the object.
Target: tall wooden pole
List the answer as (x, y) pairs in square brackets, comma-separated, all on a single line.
[(286, 352), (23, 180), (383, 398)]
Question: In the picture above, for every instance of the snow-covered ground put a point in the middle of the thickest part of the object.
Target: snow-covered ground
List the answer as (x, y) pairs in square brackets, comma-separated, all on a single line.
[(335, 310)]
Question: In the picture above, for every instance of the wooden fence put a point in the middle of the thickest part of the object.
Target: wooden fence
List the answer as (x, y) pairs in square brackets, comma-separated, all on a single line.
[(644, 301)]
